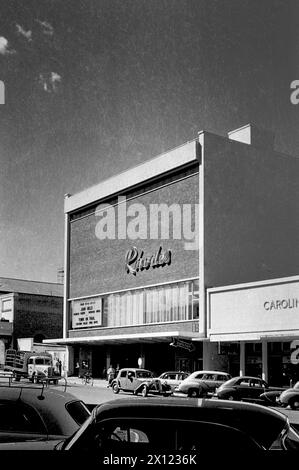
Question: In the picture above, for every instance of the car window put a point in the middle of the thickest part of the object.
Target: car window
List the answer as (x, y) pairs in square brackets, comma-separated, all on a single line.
[(78, 411), (255, 383), (142, 434), (123, 373), (244, 382), (199, 376), (18, 417), (221, 377), (144, 374)]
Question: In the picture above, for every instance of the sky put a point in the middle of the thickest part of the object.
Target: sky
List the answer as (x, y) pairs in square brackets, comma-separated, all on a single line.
[(93, 87)]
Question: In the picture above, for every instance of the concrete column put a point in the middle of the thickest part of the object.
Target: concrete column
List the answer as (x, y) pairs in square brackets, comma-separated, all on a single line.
[(265, 361), (108, 358), (242, 358), (206, 355), (69, 360)]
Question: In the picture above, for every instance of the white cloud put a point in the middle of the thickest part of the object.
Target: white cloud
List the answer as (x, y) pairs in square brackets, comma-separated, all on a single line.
[(24, 33), (4, 47), (50, 81), (47, 28)]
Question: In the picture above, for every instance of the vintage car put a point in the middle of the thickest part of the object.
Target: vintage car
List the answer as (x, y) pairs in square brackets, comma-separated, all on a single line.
[(140, 381), (173, 378), (181, 426), (36, 418), (202, 383), (290, 397), (248, 388)]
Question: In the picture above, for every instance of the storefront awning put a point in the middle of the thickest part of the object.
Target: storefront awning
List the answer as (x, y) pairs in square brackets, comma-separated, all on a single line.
[(154, 337), (269, 336)]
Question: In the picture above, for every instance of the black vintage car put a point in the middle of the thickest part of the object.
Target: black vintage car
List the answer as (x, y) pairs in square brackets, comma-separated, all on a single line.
[(182, 426), (248, 388), (140, 381)]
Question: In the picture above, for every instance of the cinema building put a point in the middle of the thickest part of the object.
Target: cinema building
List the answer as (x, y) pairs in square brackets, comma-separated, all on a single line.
[(187, 261)]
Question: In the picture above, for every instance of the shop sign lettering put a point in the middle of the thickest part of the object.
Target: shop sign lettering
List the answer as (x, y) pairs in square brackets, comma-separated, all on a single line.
[(179, 343), (281, 304), (136, 261)]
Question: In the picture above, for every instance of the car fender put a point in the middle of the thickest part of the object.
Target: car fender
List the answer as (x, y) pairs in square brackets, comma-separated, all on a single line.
[(141, 385), (270, 397), (226, 391)]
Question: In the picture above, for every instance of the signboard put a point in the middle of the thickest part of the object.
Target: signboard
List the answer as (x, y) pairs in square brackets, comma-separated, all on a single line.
[(261, 309), (87, 313), (179, 343)]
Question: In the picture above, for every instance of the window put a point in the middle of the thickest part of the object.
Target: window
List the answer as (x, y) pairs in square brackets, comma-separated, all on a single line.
[(78, 411), (169, 303), (244, 382), (20, 418), (144, 374), (123, 373), (166, 435)]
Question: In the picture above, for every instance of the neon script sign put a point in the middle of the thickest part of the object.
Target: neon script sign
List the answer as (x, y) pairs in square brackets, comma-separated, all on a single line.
[(136, 261)]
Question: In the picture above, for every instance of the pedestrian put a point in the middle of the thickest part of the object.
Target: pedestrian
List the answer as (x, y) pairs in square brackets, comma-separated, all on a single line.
[(77, 369), (111, 375), (59, 365)]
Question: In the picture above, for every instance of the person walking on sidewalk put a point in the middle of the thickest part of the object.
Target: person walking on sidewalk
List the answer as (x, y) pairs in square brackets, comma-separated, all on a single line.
[(110, 374)]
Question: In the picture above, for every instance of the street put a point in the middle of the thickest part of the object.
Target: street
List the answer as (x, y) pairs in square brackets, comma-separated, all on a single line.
[(99, 393)]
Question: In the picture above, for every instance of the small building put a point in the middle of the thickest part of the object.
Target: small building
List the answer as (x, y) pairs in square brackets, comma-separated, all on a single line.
[(29, 309)]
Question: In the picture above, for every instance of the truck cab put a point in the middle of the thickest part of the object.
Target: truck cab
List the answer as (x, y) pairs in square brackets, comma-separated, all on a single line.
[(40, 367)]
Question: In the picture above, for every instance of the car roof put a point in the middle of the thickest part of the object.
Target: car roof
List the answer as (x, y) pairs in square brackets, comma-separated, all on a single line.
[(135, 369), (243, 416), (210, 372), (247, 377), (50, 404), (174, 372)]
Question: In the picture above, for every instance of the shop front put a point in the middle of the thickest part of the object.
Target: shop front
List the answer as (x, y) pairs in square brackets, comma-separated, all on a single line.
[(260, 321)]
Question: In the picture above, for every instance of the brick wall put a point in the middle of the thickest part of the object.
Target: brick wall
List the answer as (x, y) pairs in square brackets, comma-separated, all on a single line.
[(37, 314)]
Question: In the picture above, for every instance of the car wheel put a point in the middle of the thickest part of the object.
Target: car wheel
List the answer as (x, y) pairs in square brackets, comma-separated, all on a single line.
[(144, 391), (193, 393), (115, 388), (294, 403)]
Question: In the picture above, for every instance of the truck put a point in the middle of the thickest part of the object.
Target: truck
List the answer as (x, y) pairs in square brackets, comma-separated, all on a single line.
[(34, 366)]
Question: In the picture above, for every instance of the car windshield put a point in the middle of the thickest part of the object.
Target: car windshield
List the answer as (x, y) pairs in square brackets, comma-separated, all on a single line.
[(43, 361), (144, 374)]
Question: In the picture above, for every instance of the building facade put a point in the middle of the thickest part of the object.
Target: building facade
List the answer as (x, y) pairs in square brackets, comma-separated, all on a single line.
[(29, 309), (145, 249)]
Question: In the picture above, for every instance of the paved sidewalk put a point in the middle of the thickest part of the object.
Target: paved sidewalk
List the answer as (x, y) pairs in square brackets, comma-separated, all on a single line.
[(72, 380)]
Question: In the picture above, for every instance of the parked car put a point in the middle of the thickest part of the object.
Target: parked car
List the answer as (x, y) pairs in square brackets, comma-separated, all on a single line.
[(181, 425), (202, 383), (173, 378), (290, 397), (247, 388), (41, 416), (139, 381)]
